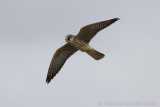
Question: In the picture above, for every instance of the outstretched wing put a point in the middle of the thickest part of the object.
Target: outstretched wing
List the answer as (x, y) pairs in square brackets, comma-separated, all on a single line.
[(87, 32), (58, 60)]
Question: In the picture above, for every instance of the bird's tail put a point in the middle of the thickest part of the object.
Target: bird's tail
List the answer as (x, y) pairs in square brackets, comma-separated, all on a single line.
[(95, 54)]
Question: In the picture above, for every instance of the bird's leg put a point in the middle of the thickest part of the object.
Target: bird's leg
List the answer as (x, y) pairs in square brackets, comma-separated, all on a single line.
[(88, 51)]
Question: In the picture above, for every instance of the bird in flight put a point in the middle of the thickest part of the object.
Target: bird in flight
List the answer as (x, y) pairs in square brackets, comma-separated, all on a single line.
[(75, 43)]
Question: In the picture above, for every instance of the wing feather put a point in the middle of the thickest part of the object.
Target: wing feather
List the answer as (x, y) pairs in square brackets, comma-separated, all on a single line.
[(58, 60), (87, 32)]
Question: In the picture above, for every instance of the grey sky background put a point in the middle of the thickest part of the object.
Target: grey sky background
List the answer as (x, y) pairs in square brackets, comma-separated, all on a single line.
[(32, 30)]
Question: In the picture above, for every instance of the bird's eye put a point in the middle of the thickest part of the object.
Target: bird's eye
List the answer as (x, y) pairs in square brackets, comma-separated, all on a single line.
[(68, 39)]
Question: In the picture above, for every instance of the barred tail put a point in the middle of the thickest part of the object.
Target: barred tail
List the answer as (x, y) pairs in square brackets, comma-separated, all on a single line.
[(95, 54)]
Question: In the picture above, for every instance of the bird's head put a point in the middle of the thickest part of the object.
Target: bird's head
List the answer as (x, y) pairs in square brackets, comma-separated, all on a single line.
[(69, 38)]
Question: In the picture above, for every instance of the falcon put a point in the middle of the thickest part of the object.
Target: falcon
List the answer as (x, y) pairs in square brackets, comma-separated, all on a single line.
[(75, 43)]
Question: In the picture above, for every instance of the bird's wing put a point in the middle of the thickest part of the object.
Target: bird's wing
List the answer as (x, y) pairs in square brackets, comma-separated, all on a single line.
[(58, 60), (87, 32)]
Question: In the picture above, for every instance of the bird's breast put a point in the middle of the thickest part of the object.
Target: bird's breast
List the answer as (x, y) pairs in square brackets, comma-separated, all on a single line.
[(79, 44)]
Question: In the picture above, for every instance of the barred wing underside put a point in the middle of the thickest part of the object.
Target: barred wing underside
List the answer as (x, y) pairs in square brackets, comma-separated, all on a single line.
[(87, 32), (58, 60)]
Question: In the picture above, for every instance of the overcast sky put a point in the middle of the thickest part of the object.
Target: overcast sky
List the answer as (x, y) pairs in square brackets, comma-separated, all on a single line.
[(32, 30)]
